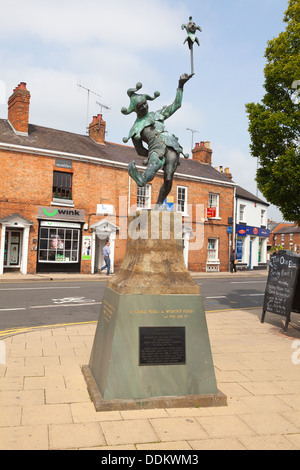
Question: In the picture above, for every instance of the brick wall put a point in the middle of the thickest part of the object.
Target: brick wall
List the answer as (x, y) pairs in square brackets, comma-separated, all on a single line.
[(26, 182)]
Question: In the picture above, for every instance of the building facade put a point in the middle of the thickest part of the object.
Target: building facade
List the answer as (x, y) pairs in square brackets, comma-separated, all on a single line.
[(286, 237), (251, 232), (63, 194)]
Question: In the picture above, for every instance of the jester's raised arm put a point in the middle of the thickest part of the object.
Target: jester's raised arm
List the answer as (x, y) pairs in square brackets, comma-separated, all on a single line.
[(167, 111)]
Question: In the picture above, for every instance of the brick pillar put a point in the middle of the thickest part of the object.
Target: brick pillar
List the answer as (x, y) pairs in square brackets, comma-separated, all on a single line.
[(18, 109), (202, 153), (97, 129)]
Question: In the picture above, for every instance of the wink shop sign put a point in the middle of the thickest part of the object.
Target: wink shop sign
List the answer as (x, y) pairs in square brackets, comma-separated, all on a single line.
[(51, 213)]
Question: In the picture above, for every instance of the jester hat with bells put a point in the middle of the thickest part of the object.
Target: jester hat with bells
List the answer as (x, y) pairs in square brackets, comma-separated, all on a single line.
[(135, 99)]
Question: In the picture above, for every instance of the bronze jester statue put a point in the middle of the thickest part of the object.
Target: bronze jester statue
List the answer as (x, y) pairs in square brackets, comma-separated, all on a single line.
[(163, 148)]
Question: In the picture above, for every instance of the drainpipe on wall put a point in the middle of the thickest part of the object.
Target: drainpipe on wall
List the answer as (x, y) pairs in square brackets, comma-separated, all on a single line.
[(234, 219)]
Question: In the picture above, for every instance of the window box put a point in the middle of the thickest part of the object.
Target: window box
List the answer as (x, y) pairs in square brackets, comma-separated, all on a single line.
[(62, 202)]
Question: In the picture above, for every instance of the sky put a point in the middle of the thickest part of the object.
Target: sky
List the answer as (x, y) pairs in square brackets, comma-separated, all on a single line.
[(108, 46)]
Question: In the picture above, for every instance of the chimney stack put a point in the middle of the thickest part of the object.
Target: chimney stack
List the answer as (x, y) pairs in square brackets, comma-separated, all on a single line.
[(227, 173), (202, 153), (97, 129), (18, 109)]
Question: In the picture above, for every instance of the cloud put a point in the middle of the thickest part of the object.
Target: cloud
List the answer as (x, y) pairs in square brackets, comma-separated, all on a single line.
[(135, 23), (110, 46)]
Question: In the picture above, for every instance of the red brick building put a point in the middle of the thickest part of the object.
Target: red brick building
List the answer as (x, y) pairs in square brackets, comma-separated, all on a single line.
[(56, 189), (286, 237)]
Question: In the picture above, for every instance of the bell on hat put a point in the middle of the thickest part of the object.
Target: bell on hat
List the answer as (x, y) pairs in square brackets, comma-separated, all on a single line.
[(136, 98)]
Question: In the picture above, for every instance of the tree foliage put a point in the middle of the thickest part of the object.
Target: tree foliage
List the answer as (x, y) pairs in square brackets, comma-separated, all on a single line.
[(274, 124)]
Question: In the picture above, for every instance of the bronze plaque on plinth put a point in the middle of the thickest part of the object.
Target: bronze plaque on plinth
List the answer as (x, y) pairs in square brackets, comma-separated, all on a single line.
[(162, 346)]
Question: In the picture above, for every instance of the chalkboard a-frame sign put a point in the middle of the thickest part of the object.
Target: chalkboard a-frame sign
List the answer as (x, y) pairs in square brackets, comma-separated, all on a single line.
[(282, 295)]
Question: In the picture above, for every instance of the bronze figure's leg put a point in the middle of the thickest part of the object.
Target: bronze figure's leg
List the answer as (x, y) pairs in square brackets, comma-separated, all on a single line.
[(172, 161), (155, 164)]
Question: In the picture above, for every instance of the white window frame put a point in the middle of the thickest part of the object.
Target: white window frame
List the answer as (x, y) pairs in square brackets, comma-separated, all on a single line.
[(214, 201), (75, 242), (242, 212), (179, 207), (262, 217), (215, 258), (144, 193)]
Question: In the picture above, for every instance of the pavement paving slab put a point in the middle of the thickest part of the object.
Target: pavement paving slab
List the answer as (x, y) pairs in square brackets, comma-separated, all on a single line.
[(45, 405)]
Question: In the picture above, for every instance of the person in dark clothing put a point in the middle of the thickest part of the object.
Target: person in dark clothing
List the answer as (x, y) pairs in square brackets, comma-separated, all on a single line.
[(233, 261), (106, 253)]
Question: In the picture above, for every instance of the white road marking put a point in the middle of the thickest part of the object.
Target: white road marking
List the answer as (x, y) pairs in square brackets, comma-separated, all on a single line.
[(41, 288), (217, 297), (250, 295), (246, 282), (10, 309), (64, 305)]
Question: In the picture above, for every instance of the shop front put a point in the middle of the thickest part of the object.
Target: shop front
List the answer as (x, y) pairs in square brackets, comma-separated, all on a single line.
[(251, 247), (59, 240)]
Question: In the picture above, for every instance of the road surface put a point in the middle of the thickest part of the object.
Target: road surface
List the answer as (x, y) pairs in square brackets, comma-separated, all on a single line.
[(38, 303)]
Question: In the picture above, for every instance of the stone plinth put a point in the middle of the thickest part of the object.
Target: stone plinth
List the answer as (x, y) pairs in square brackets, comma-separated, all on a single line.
[(151, 347), (154, 263)]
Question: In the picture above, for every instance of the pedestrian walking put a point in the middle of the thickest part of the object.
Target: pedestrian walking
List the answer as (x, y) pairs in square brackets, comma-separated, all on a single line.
[(233, 261), (106, 254)]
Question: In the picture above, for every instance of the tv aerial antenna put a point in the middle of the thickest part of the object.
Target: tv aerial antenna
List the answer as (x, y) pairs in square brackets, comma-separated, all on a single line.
[(193, 132), (103, 106), (89, 92)]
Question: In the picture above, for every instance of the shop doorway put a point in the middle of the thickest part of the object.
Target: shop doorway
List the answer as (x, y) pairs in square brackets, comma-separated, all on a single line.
[(14, 243), (99, 259), (13, 250), (103, 231)]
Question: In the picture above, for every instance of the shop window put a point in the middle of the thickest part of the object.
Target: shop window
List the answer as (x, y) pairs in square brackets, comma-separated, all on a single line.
[(240, 248), (62, 185), (59, 245), (144, 197)]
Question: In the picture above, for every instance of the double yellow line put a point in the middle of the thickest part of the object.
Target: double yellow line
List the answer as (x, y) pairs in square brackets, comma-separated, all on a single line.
[(15, 331)]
